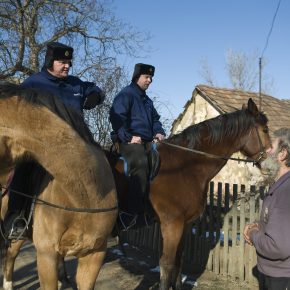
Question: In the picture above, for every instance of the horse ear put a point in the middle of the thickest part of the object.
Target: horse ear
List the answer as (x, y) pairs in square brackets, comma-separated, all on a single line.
[(252, 107), (244, 107)]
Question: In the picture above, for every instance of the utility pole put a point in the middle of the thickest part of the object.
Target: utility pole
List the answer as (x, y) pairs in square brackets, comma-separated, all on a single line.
[(260, 84)]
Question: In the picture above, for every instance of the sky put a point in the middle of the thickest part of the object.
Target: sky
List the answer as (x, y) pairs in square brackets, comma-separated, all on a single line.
[(186, 32)]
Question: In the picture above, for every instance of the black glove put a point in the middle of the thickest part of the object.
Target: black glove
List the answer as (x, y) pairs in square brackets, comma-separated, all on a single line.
[(94, 99)]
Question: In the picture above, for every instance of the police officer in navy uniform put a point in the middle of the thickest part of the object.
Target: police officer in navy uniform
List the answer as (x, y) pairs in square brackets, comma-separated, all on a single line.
[(135, 122), (54, 79)]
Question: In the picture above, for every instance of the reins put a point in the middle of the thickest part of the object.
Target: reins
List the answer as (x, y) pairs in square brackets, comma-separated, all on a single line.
[(73, 209), (207, 154), (248, 160)]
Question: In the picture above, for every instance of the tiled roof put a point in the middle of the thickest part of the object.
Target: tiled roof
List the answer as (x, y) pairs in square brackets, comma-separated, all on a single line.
[(227, 100), (286, 101)]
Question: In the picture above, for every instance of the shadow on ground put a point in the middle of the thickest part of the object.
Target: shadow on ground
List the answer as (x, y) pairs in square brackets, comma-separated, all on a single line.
[(134, 270)]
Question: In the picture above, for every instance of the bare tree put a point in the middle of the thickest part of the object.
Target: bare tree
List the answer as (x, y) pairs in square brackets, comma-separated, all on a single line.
[(242, 70), (90, 26), (206, 72), (98, 118)]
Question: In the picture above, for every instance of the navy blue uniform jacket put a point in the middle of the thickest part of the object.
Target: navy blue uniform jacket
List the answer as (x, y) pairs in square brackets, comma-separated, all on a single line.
[(133, 113), (72, 91)]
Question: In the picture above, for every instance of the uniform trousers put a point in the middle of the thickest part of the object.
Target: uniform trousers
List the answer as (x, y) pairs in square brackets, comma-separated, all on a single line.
[(138, 169)]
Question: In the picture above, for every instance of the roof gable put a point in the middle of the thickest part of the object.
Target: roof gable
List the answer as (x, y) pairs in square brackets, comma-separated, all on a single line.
[(228, 100)]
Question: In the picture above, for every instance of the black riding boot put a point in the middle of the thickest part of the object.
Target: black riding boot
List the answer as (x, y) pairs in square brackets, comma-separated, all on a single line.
[(138, 173)]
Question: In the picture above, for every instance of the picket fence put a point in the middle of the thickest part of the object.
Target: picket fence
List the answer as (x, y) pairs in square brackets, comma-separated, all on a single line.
[(215, 241)]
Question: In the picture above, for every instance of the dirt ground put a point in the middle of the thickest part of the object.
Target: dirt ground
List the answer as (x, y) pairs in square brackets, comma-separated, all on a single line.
[(135, 271)]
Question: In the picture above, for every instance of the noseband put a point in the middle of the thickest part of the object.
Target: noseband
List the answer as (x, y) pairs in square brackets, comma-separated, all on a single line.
[(262, 152)]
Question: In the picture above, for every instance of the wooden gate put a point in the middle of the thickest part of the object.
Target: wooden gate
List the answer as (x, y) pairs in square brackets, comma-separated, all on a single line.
[(215, 242)]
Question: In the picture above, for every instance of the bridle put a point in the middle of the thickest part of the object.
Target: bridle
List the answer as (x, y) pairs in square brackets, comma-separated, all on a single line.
[(262, 152), (256, 161)]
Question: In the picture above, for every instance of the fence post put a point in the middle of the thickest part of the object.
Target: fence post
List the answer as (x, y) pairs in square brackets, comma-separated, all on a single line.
[(242, 242), (233, 252), (218, 230), (211, 228), (254, 211), (226, 230)]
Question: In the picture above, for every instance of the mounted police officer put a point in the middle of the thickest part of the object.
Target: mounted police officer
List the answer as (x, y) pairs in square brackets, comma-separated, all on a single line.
[(54, 79), (135, 122)]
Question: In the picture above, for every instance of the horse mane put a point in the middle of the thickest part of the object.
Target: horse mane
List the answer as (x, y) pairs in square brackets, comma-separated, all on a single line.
[(51, 102), (234, 125)]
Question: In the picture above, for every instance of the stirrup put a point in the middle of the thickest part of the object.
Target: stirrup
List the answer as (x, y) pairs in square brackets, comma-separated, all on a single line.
[(124, 216), (16, 232)]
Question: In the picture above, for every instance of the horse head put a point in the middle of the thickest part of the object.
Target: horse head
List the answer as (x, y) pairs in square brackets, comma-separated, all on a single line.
[(257, 141)]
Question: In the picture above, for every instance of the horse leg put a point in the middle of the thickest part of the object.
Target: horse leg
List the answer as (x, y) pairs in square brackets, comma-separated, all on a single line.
[(9, 262), (62, 273), (47, 265), (88, 270), (177, 277), (172, 238)]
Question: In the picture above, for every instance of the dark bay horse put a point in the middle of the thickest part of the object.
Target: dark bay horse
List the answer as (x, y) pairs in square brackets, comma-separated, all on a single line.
[(178, 193), (80, 206)]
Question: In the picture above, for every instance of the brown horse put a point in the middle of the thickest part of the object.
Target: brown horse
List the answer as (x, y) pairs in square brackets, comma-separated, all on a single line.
[(178, 193), (77, 204)]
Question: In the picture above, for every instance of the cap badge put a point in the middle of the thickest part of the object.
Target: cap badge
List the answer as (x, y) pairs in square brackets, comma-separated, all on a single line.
[(66, 53)]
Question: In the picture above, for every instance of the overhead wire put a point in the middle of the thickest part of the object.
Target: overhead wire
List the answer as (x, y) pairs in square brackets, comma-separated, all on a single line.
[(271, 28), (263, 51)]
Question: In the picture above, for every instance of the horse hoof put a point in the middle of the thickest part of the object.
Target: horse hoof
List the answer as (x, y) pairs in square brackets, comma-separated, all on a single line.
[(66, 283), (7, 285)]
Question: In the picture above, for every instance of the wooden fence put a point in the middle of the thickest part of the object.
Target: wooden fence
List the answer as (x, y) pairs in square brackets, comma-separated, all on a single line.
[(215, 242)]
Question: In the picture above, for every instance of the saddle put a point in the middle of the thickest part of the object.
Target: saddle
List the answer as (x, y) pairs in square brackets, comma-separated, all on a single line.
[(153, 159)]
